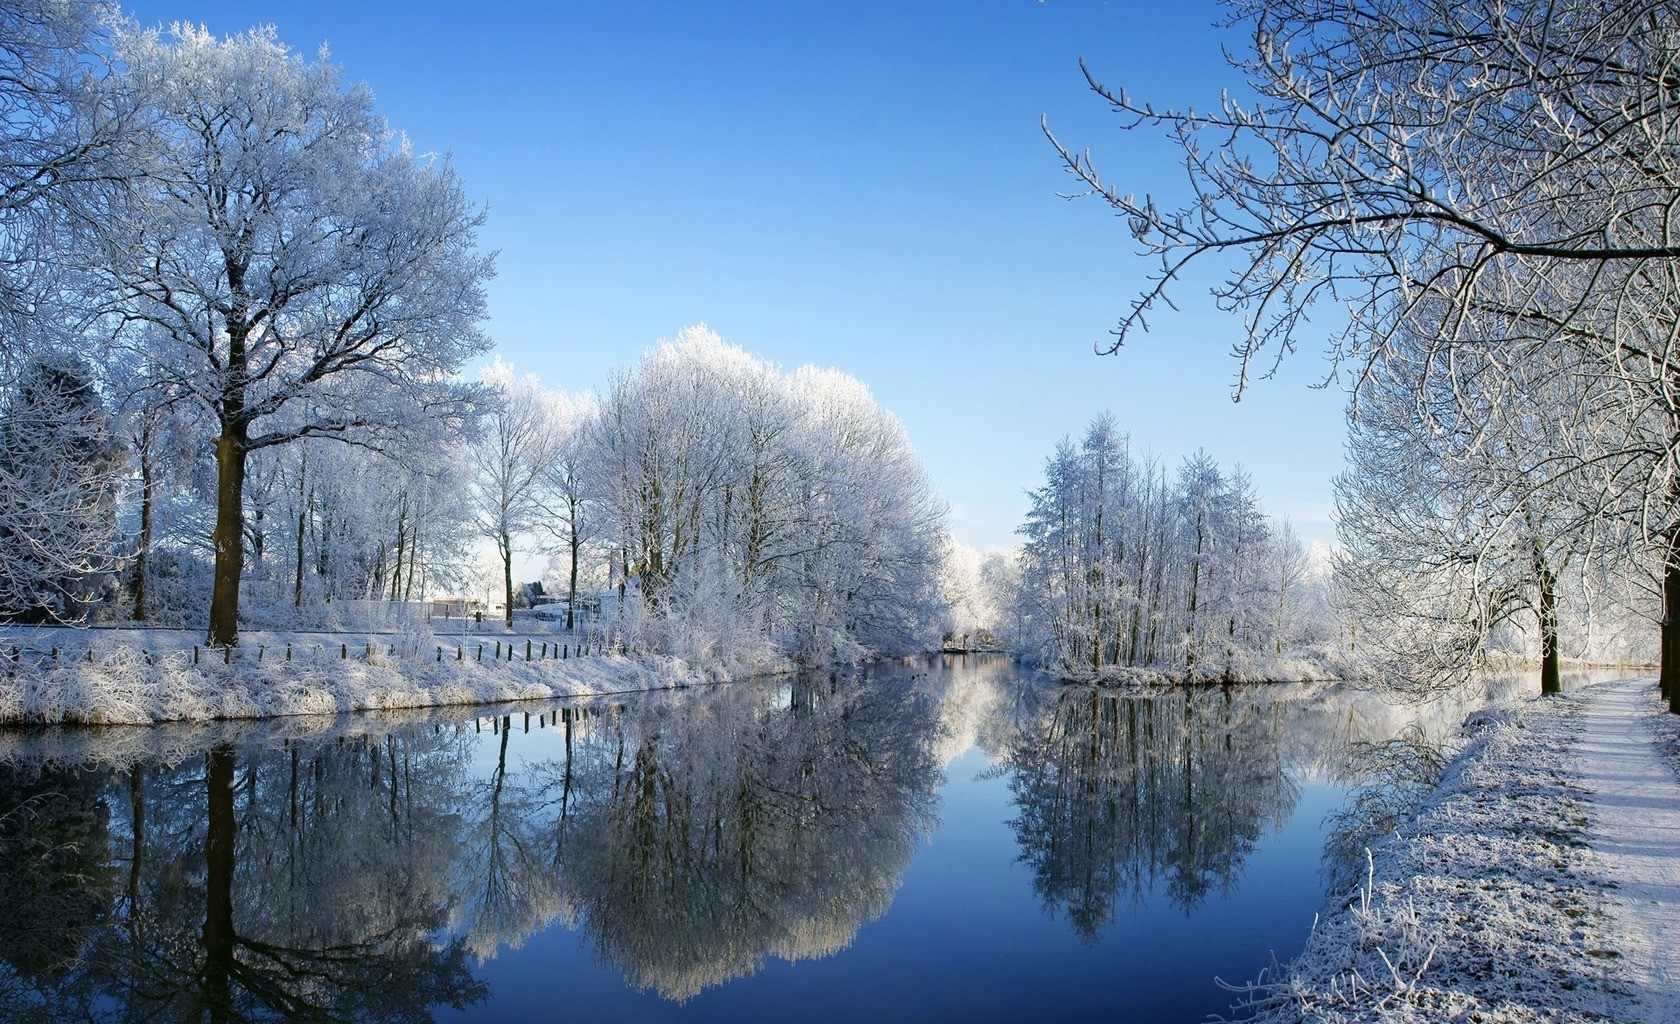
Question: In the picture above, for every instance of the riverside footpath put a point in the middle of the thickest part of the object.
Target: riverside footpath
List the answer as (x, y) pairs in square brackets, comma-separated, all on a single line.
[(1539, 882)]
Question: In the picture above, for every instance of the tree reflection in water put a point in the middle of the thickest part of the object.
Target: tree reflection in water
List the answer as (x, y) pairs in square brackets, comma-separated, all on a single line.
[(703, 841), (358, 878), (1116, 794), (266, 885), (687, 837)]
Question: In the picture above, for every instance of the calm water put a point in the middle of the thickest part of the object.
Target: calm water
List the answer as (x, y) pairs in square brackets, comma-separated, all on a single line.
[(956, 841)]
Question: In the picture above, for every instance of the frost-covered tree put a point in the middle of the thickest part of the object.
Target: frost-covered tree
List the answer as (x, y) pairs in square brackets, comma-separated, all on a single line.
[(63, 152), (1481, 179), (60, 481), (165, 440), (299, 271), (517, 451), (570, 500), (751, 508), (964, 593), (1124, 568), (1461, 510), (345, 522), (1399, 153)]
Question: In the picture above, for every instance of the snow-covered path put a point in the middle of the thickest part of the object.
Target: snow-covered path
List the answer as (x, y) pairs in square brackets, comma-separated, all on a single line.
[(1635, 800)]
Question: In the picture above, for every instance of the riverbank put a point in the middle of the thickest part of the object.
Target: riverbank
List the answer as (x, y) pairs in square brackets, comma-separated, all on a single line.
[(1538, 882), (53, 676), (1297, 665)]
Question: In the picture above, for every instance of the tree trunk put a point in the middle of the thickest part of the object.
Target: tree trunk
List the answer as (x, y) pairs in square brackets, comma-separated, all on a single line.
[(1550, 678), (402, 542), (229, 536), (413, 558), (1669, 674), (218, 935), (507, 574), (143, 550), (302, 522), (571, 587)]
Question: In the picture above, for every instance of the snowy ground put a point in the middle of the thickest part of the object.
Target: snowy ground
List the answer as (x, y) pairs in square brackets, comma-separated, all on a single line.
[(1636, 835), (145, 676), (1538, 883)]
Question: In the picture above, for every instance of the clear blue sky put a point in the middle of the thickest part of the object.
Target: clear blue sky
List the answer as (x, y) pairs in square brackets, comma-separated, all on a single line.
[(854, 184)]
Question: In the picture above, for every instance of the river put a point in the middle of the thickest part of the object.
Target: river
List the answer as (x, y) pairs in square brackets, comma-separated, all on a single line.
[(952, 840)]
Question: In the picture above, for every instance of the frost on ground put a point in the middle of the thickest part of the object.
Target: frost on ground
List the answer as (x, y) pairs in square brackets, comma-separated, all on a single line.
[(141, 677), (1486, 905), (1636, 835)]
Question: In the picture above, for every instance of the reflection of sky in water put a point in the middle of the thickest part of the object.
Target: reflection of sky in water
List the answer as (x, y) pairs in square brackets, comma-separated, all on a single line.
[(957, 843)]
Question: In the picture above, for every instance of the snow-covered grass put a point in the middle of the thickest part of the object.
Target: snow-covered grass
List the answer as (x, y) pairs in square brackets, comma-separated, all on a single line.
[(146, 676), (1483, 906)]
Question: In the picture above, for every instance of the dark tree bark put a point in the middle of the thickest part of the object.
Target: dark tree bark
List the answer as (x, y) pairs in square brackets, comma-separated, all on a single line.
[(1669, 674), (571, 586), (507, 574), (1551, 681), (143, 549), (302, 523), (229, 535)]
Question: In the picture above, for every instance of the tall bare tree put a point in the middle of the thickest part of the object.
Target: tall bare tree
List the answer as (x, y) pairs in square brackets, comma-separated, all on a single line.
[(306, 274)]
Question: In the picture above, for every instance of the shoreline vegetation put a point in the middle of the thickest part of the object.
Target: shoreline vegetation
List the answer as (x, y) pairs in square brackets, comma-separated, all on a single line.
[(1494, 899), (143, 677), (132, 675)]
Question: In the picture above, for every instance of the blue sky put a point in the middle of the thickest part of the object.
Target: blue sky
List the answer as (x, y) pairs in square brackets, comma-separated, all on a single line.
[(854, 184)]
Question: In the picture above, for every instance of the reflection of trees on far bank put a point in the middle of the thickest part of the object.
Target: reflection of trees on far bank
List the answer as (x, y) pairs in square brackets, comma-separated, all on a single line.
[(702, 840), (1118, 794), (246, 875)]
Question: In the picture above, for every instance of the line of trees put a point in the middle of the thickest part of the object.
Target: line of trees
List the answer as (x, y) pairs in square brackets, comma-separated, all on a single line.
[(1487, 190), (740, 511), (1127, 566), (238, 307), (252, 257)]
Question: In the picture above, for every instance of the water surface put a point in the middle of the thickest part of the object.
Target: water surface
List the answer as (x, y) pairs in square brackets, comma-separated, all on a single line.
[(950, 841)]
